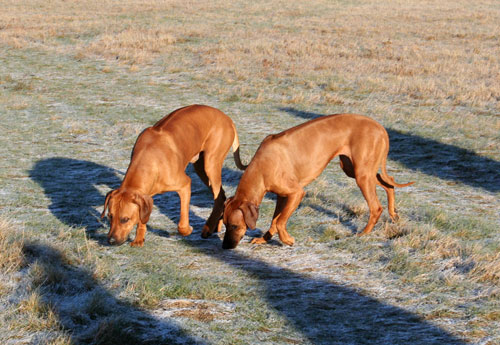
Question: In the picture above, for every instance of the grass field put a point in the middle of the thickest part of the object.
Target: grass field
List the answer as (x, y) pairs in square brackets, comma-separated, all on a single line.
[(79, 80)]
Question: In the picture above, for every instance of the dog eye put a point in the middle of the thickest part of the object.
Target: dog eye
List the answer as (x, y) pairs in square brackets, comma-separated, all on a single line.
[(110, 216), (124, 220)]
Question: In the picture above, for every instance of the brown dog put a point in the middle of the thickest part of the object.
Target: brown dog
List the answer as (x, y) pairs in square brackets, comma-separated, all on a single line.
[(286, 162), (198, 134)]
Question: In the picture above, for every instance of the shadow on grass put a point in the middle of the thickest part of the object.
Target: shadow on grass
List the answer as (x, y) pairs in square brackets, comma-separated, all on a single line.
[(71, 186), (325, 312), (86, 311), (201, 197), (434, 158), (345, 221)]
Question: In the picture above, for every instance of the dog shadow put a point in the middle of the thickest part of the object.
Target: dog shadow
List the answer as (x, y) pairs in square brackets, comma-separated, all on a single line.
[(431, 157), (322, 311), (87, 311), (325, 312), (346, 221), (71, 186)]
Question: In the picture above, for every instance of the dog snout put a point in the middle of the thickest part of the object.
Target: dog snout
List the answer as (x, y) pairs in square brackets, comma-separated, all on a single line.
[(114, 242), (229, 244)]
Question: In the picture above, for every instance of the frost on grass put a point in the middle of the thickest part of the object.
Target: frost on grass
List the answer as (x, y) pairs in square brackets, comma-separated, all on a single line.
[(199, 310), (46, 298), (71, 120)]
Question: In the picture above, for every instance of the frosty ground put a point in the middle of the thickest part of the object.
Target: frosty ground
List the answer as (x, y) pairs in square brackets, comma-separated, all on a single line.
[(78, 87)]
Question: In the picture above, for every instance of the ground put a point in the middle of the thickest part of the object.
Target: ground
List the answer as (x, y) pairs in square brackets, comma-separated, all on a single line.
[(80, 80)]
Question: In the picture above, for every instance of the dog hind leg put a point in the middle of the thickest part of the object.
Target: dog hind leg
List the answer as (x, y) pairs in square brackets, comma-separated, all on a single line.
[(391, 200), (212, 168), (367, 184)]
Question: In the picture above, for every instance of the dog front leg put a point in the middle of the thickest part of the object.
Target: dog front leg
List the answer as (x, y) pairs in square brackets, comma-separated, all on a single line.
[(139, 236), (214, 221), (280, 203), (292, 202), (185, 196)]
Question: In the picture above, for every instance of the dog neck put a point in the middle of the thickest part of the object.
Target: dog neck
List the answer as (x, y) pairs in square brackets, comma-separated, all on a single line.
[(141, 176), (251, 187)]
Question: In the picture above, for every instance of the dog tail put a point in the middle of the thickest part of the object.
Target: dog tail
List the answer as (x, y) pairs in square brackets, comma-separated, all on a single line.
[(387, 180), (236, 151)]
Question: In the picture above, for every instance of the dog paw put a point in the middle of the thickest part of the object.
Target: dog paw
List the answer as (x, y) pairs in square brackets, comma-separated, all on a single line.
[(137, 243), (205, 233), (185, 231), (394, 217), (289, 241), (259, 240), (363, 233)]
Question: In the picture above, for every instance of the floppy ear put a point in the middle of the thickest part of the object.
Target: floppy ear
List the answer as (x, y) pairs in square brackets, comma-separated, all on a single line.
[(226, 211), (250, 213), (106, 201), (145, 203), (228, 200)]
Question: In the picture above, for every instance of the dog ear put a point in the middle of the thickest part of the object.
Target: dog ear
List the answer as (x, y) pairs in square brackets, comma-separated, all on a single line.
[(106, 201), (226, 211), (228, 200), (145, 203), (250, 213)]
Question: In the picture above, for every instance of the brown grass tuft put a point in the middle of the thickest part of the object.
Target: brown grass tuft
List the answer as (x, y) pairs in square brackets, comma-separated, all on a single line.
[(11, 246), (38, 315), (403, 50), (488, 269), (395, 230), (132, 45)]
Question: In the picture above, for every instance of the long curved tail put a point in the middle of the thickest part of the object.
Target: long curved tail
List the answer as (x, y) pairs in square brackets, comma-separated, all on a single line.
[(387, 180), (236, 151)]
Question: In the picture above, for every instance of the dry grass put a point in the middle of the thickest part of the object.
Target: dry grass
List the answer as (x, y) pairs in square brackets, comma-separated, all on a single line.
[(131, 45), (25, 312), (488, 268), (37, 315), (11, 246), (415, 53)]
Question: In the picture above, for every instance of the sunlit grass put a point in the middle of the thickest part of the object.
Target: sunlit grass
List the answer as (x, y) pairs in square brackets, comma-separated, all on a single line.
[(80, 80)]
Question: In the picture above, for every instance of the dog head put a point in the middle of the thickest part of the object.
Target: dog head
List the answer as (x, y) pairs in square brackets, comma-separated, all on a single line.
[(238, 215), (126, 210)]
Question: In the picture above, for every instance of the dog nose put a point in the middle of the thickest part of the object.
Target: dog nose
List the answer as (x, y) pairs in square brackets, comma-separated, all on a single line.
[(111, 241), (229, 244)]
